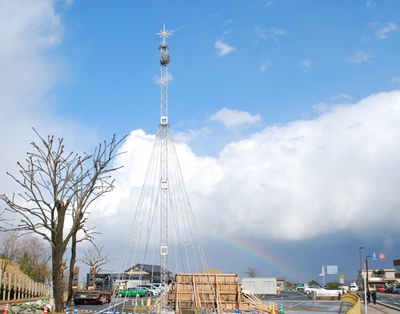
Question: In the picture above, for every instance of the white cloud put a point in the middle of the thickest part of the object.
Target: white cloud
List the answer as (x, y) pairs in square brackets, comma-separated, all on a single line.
[(271, 32), (306, 65), (360, 57), (341, 96), (191, 135), (382, 32), (312, 177), (265, 66), (157, 79), (223, 48), (234, 118), (30, 69), (396, 80), (269, 4), (370, 4)]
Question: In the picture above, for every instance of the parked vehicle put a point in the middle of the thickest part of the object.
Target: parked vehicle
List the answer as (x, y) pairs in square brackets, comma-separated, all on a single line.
[(387, 289), (380, 289), (299, 288), (98, 290), (312, 289), (160, 286), (396, 289), (132, 293), (149, 290)]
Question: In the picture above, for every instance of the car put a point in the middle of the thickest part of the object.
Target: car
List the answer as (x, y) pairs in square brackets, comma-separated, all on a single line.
[(380, 289), (299, 288), (150, 286), (132, 292), (149, 291), (388, 289), (353, 287), (160, 286), (312, 289), (396, 289)]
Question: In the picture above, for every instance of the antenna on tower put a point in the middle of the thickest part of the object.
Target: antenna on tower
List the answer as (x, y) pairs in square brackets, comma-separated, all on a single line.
[(164, 61)]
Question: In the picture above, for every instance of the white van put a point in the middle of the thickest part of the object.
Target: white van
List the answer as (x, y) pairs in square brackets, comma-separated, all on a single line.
[(353, 287)]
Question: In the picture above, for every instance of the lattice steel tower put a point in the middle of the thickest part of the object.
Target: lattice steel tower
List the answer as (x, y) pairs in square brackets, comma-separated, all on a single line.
[(163, 130), (163, 223)]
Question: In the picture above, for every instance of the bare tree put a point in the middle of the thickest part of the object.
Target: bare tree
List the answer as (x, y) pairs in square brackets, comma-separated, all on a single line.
[(9, 248), (96, 258), (58, 188), (34, 259), (252, 272)]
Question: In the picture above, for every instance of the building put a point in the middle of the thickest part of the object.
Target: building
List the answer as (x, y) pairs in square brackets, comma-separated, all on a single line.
[(260, 285), (378, 277), (396, 264), (140, 274)]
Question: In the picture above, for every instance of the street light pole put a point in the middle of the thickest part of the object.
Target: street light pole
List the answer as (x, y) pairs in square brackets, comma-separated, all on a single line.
[(366, 270), (361, 247)]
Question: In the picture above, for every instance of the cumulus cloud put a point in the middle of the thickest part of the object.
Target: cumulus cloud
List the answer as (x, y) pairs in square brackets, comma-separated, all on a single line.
[(314, 177), (30, 69), (234, 118), (223, 48)]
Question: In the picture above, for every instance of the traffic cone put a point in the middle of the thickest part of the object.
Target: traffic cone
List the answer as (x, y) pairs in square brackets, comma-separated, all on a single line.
[(281, 309), (45, 309), (276, 308), (6, 309)]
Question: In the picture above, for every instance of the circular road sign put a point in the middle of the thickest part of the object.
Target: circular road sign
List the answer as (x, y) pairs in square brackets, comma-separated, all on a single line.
[(381, 256)]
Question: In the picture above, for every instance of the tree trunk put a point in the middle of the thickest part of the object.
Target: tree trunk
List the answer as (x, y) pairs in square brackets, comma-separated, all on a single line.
[(58, 250), (71, 269)]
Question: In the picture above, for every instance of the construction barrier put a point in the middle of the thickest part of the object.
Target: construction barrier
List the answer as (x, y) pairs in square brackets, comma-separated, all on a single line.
[(353, 299)]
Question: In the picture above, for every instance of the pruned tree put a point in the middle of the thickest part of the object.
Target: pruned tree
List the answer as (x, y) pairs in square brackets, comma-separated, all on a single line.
[(252, 272), (58, 189), (96, 258), (9, 248)]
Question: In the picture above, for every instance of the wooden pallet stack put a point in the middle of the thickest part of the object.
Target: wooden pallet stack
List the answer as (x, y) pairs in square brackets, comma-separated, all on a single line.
[(220, 293)]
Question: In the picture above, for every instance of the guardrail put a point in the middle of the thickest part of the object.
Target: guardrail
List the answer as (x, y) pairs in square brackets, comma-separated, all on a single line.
[(14, 287), (353, 299)]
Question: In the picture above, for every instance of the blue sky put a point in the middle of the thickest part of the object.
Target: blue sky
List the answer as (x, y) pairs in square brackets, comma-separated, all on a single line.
[(288, 109)]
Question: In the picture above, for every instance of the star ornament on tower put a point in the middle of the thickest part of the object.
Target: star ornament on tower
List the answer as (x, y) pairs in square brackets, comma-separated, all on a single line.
[(164, 33)]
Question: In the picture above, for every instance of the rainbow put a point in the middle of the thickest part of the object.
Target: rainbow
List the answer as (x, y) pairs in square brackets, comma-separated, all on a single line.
[(253, 251)]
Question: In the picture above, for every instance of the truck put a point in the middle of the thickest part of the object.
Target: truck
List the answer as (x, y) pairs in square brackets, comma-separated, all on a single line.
[(99, 289)]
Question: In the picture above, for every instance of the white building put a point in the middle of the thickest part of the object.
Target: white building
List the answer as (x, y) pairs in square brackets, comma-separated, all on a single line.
[(260, 285)]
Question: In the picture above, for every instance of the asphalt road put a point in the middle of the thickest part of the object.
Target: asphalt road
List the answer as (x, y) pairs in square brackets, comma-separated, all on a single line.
[(292, 302)]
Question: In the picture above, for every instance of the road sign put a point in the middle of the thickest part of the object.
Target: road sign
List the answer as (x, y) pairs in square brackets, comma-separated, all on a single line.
[(341, 276), (381, 256), (374, 257), (332, 270)]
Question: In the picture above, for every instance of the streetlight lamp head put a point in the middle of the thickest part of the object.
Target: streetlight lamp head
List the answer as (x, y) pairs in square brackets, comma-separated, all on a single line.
[(361, 247)]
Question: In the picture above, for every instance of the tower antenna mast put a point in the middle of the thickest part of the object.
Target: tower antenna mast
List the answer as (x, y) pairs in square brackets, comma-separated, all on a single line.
[(163, 131)]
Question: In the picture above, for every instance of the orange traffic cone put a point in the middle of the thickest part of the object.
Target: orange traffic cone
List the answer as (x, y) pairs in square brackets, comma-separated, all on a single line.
[(6, 309), (45, 309)]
